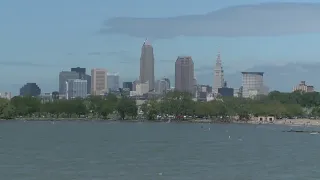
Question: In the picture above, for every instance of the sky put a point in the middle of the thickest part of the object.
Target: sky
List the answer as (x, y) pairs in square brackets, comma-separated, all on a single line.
[(38, 39)]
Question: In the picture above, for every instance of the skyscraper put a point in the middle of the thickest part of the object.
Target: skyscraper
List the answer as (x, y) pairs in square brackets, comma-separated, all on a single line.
[(76, 88), (184, 74), (98, 81), (83, 76), (63, 77), (252, 84), (218, 78), (80, 71), (113, 82), (147, 65), (162, 86)]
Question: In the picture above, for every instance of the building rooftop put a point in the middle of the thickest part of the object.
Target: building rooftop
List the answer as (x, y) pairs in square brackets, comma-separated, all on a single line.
[(256, 73)]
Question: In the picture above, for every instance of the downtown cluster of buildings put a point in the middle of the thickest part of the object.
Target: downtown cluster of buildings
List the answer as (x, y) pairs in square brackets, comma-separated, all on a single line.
[(78, 83)]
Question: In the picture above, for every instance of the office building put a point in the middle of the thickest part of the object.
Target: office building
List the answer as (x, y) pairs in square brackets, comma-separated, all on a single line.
[(252, 84), (76, 88), (142, 88), (98, 81), (127, 85), (81, 72), (303, 87), (134, 84), (113, 82), (184, 74), (30, 89), (82, 75), (225, 91), (147, 65), (218, 79), (162, 86), (88, 78), (63, 77), (168, 82)]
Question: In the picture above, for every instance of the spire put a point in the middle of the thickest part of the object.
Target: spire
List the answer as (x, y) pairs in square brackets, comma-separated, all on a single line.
[(146, 42), (218, 58)]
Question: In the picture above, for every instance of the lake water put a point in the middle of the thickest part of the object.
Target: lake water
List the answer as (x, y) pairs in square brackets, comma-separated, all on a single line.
[(155, 151)]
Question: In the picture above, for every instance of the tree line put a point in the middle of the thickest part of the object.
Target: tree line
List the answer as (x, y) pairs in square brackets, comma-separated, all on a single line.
[(174, 105)]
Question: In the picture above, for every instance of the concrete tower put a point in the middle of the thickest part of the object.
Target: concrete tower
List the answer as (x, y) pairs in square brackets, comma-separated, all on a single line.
[(218, 79), (184, 74), (147, 65)]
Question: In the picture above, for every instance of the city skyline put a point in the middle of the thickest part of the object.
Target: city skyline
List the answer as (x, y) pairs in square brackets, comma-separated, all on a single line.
[(44, 42)]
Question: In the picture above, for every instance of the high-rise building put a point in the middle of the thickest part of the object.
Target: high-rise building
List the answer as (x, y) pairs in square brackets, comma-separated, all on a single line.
[(88, 78), (113, 82), (147, 65), (162, 86), (142, 88), (127, 85), (30, 89), (168, 81), (63, 77), (252, 84), (80, 71), (98, 81), (184, 74), (218, 79), (82, 75), (134, 85), (76, 88)]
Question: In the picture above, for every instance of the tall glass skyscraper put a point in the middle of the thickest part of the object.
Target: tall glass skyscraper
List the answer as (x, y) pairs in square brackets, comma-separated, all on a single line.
[(113, 81)]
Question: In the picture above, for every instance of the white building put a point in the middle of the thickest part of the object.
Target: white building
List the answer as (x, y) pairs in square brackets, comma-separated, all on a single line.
[(76, 88), (142, 88), (6, 95)]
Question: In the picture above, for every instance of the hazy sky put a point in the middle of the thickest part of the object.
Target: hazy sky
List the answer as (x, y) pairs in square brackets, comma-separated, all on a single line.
[(40, 38)]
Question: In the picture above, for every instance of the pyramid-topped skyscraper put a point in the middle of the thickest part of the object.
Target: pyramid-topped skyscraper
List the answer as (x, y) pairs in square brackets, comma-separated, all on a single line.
[(147, 65)]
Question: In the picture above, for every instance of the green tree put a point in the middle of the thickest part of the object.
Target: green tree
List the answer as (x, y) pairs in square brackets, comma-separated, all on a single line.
[(7, 110)]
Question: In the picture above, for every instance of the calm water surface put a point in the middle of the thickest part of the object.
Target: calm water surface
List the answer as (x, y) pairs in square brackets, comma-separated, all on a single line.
[(147, 151)]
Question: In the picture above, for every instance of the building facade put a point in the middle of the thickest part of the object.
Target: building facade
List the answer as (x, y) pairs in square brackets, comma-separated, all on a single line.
[(98, 81), (162, 86), (142, 88), (184, 74), (127, 85), (30, 89), (134, 84), (63, 77), (218, 79), (81, 72), (226, 92), (113, 82), (76, 88), (82, 75), (252, 84), (147, 65)]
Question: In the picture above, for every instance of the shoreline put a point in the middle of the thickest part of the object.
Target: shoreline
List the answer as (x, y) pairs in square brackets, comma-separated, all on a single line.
[(286, 122)]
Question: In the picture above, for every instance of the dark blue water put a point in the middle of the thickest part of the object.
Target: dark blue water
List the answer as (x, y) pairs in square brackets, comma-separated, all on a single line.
[(155, 151)]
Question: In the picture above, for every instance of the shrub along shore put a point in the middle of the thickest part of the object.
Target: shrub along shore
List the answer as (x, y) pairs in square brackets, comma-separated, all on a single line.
[(176, 106)]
